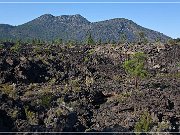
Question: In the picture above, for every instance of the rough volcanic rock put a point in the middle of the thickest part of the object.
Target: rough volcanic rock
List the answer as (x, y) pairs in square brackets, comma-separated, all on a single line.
[(53, 88)]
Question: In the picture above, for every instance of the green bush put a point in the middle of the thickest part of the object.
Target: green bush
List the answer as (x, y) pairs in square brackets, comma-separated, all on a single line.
[(8, 89), (46, 100), (1, 46), (31, 116), (16, 47), (144, 124)]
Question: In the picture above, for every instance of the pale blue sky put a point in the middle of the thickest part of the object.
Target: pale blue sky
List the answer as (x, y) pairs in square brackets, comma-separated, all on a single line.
[(164, 18)]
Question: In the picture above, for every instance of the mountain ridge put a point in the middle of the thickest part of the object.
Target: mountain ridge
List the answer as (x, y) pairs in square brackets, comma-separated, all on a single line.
[(76, 27)]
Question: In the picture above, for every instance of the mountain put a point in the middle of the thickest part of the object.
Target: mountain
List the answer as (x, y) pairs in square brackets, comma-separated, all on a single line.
[(76, 27)]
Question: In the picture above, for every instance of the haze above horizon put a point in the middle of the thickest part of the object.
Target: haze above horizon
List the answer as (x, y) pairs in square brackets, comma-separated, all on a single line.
[(159, 17)]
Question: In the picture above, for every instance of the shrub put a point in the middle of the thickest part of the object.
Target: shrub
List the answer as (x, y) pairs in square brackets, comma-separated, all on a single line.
[(91, 52), (174, 41), (46, 100), (9, 90), (144, 124), (16, 47), (89, 81), (120, 97), (75, 85), (31, 116), (1, 46), (117, 78), (163, 126), (86, 59)]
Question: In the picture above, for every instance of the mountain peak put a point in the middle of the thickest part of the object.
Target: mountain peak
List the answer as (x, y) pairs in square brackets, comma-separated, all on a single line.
[(77, 18), (46, 16)]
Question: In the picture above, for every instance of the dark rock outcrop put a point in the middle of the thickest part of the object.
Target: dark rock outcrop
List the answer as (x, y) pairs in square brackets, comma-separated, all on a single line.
[(86, 89)]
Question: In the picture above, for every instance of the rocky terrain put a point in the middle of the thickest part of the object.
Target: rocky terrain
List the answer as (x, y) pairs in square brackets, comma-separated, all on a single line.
[(76, 27), (70, 88)]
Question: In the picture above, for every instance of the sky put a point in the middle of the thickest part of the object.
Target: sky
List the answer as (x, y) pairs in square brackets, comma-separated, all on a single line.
[(161, 17)]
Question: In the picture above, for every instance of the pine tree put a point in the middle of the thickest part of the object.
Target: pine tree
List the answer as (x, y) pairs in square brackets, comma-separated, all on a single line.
[(135, 67), (90, 40)]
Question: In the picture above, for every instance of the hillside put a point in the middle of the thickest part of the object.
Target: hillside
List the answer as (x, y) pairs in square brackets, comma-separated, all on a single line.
[(75, 27)]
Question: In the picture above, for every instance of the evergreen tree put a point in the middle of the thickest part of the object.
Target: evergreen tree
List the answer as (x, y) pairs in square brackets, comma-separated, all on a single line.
[(142, 38), (17, 46), (90, 40), (135, 67), (58, 41), (99, 42)]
